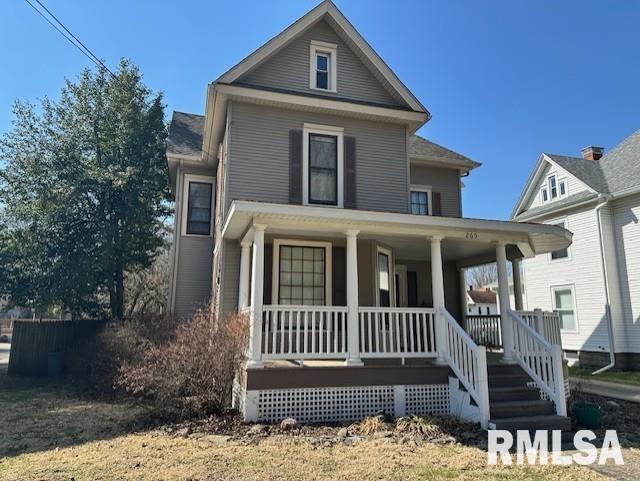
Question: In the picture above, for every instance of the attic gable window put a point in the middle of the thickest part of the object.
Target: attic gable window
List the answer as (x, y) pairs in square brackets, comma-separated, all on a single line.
[(553, 188), (323, 66)]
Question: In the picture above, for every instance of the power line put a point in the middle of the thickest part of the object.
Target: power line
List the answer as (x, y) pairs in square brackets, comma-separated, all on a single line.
[(73, 40)]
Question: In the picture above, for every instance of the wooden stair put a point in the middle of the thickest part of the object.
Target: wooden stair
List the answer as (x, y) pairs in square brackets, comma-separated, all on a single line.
[(514, 405)]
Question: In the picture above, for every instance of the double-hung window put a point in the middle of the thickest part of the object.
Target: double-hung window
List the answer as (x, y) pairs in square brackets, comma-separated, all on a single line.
[(323, 165), (553, 188), (420, 199), (385, 277), (323, 66), (560, 253), (197, 207), (564, 303)]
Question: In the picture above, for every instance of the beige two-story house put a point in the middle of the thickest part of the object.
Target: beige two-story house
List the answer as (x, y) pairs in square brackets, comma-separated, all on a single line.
[(305, 199)]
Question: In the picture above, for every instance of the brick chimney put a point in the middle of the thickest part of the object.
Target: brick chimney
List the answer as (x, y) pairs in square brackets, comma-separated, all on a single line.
[(592, 152)]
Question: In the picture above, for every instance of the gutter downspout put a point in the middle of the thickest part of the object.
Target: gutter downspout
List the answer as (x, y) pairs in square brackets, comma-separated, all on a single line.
[(612, 354), (177, 225)]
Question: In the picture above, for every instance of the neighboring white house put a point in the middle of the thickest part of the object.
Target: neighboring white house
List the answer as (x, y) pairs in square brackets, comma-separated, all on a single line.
[(512, 298), (481, 302), (594, 283)]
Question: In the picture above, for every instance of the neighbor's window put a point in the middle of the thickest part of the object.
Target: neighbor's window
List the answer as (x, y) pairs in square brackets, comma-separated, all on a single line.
[(420, 204), (302, 275), (384, 286), (561, 253), (323, 169), (199, 208), (563, 302), (554, 188)]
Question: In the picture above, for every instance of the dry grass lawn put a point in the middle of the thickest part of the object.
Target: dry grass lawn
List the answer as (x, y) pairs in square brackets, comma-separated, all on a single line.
[(49, 433)]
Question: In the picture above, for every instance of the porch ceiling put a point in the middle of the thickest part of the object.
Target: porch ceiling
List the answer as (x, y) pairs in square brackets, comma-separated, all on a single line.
[(467, 241)]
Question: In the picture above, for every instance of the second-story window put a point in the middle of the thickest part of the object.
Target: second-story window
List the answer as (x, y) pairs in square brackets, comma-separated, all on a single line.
[(197, 207), (323, 66), (323, 169), (323, 165), (420, 200)]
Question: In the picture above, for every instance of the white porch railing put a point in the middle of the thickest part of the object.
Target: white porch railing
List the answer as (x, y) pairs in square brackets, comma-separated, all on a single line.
[(484, 329), (541, 360), (545, 323), (304, 332), (397, 332), (469, 363)]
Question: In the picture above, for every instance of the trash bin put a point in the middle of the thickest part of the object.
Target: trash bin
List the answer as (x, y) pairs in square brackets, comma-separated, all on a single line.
[(54, 364)]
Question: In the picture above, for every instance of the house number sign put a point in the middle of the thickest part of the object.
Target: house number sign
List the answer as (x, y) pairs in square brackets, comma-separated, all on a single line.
[(472, 235)]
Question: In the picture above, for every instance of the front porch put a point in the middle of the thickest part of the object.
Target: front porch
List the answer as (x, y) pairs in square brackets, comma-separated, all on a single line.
[(366, 290)]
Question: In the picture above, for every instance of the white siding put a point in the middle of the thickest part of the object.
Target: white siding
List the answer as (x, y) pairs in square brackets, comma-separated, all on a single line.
[(583, 270), (627, 231), (574, 186)]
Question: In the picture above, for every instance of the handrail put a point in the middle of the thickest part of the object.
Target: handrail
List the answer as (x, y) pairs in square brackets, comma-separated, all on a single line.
[(469, 363), (541, 360)]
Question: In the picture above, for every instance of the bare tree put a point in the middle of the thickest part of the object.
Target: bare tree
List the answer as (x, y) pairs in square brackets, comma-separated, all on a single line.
[(481, 276), (146, 289)]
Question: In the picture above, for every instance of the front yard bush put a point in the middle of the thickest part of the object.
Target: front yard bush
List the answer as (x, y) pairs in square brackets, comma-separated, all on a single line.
[(191, 373)]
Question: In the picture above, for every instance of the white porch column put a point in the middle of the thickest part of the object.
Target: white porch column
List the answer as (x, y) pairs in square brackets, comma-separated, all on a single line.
[(463, 296), (517, 284), (245, 266), (503, 296), (257, 280), (353, 331), (437, 287)]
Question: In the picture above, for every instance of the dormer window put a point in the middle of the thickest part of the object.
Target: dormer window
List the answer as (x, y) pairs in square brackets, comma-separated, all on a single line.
[(323, 66), (553, 188)]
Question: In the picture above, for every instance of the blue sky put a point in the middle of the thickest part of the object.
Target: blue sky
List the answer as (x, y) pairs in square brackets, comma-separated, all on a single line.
[(504, 80)]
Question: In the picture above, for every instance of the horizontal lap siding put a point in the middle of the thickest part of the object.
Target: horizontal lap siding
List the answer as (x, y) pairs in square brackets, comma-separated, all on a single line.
[(289, 69), (445, 181), (193, 286), (231, 276), (574, 186), (584, 271), (259, 156), (627, 232)]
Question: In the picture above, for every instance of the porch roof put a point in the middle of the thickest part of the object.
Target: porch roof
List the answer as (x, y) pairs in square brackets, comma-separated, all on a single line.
[(466, 241)]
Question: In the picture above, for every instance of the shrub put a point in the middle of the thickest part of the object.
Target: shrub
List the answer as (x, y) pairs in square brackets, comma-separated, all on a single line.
[(192, 373)]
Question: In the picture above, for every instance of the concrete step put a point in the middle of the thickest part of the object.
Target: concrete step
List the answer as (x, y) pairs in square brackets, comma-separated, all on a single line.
[(509, 409), (506, 380), (513, 393), (546, 421)]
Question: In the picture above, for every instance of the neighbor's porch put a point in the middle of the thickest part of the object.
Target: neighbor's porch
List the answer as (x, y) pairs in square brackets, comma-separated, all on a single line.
[(357, 293)]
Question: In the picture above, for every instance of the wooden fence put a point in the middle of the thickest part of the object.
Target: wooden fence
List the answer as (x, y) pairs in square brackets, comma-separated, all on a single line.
[(33, 341)]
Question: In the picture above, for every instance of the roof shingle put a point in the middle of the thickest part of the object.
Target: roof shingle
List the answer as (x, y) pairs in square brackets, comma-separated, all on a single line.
[(185, 134)]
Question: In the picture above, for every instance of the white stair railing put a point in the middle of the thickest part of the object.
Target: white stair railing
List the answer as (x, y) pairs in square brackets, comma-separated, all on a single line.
[(397, 332), (468, 361), (541, 360)]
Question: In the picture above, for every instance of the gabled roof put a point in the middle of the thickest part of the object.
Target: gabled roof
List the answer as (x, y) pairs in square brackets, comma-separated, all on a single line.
[(482, 296), (615, 173), (329, 11), (185, 135), (423, 149)]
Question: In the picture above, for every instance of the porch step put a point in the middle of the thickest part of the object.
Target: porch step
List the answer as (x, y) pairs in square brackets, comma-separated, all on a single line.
[(546, 421), (508, 380), (498, 368), (510, 409), (513, 393)]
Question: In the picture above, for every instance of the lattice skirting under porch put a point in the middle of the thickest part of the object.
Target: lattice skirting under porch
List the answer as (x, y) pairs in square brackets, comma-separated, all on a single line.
[(345, 403)]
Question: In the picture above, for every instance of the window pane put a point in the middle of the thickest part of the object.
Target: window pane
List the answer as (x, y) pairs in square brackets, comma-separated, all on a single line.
[(199, 208), (383, 271), (322, 80), (322, 186), (563, 190), (560, 254), (301, 279), (564, 299), (567, 320), (323, 151), (545, 195), (322, 62)]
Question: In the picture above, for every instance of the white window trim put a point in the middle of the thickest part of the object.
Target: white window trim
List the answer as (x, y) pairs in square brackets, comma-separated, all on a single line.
[(547, 186), (275, 268), (572, 287), (392, 276), (565, 221), (422, 188), (331, 50), (185, 202), (322, 130)]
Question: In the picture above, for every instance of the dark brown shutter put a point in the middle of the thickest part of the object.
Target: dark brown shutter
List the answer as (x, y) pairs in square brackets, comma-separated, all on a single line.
[(295, 166), (267, 288), (436, 198), (350, 172)]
